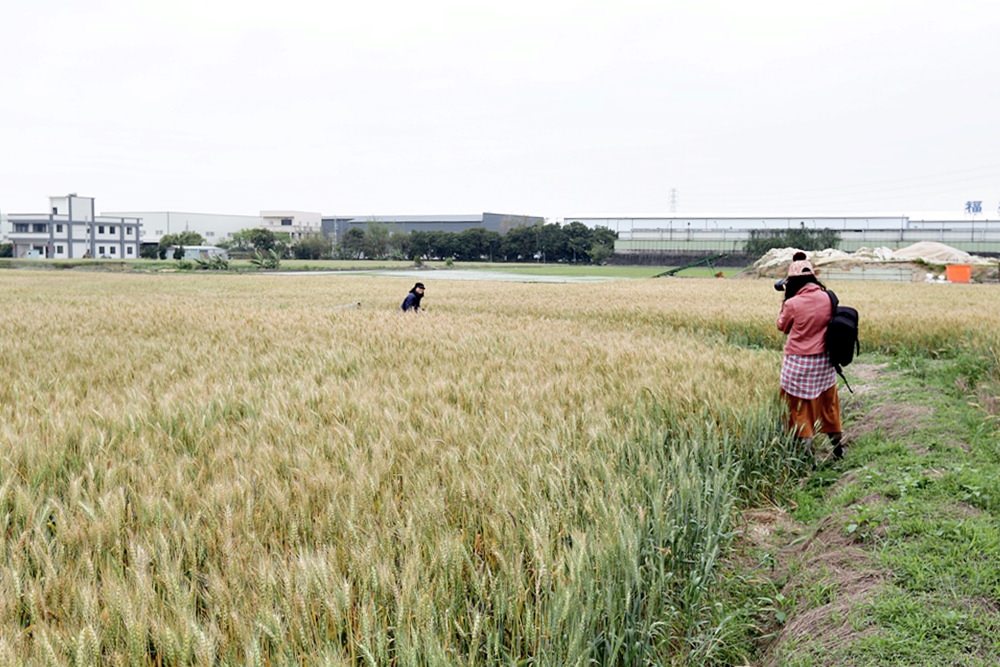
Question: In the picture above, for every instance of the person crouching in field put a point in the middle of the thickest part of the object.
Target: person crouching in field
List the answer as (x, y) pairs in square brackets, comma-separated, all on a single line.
[(412, 300), (808, 379)]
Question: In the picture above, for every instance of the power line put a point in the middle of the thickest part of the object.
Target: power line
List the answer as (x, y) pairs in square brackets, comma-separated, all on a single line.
[(876, 187)]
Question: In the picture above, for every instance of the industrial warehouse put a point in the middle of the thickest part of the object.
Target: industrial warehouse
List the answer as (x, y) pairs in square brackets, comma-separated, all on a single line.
[(659, 240), (72, 230)]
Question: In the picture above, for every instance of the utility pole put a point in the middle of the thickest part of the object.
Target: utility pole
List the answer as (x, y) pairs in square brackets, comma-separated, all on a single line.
[(673, 200)]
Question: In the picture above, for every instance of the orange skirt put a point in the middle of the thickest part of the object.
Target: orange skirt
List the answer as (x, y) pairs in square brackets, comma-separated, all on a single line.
[(805, 413)]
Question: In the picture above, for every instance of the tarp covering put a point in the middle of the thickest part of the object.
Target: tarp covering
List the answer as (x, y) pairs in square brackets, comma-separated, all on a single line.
[(776, 261)]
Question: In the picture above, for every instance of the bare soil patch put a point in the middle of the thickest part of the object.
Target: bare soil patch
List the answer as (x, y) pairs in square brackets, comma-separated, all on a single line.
[(964, 510), (832, 574), (864, 381), (868, 373), (894, 420), (830, 559), (767, 528), (988, 400)]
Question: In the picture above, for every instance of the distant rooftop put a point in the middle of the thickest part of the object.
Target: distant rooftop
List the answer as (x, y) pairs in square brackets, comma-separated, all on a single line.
[(701, 215), (470, 217)]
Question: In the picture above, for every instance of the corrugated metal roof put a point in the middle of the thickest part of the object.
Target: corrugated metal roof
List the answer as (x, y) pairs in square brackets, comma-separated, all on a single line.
[(471, 217)]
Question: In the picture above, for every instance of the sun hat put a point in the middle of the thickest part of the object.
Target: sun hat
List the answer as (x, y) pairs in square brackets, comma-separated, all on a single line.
[(800, 268)]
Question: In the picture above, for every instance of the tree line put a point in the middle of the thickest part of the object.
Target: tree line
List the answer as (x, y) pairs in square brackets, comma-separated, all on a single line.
[(248, 242), (762, 240), (552, 242)]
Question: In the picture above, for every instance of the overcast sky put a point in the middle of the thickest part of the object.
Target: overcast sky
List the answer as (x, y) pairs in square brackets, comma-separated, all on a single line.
[(547, 107)]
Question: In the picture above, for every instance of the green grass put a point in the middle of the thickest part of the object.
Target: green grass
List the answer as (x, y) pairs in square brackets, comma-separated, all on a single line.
[(924, 500), (614, 271)]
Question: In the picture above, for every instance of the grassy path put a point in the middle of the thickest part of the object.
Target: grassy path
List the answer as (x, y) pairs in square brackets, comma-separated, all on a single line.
[(891, 556)]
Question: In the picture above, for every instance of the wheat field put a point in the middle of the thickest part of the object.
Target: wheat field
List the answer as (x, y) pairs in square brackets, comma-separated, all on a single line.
[(221, 469)]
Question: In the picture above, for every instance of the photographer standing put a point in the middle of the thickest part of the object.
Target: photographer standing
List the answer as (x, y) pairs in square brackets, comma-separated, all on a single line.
[(808, 379)]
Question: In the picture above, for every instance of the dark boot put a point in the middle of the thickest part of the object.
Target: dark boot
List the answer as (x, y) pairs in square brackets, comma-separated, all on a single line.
[(838, 447)]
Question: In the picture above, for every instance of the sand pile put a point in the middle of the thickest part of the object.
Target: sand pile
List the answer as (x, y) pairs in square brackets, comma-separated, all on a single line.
[(929, 253)]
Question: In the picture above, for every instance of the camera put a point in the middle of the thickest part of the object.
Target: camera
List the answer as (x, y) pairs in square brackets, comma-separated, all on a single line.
[(780, 284)]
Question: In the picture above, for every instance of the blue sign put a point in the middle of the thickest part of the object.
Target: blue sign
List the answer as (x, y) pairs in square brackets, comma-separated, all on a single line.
[(973, 207)]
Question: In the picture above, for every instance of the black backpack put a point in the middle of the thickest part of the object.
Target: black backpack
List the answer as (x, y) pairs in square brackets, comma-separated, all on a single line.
[(842, 337)]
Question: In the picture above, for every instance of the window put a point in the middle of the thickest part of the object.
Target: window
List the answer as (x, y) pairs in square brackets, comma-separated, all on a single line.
[(55, 210), (100, 250), (286, 222), (59, 250), (113, 249), (209, 235), (100, 230), (128, 250), (111, 229), (21, 227), (59, 229), (39, 228), (159, 232), (129, 230)]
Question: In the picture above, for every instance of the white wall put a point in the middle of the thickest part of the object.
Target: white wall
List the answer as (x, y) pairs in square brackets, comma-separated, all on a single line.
[(215, 227), (80, 248), (299, 218), (83, 207), (304, 223)]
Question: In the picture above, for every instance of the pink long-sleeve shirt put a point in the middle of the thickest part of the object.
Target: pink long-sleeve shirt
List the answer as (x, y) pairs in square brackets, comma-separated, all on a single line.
[(804, 318)]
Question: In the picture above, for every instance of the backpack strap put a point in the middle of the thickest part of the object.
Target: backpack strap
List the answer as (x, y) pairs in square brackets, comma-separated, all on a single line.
[(834, 301), (840, 372)]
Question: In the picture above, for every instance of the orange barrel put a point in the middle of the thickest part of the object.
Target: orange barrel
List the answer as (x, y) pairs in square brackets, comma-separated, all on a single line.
[(958, 273)]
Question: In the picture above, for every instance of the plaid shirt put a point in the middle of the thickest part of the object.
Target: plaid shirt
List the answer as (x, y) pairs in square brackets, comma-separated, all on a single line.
[(807, 376)]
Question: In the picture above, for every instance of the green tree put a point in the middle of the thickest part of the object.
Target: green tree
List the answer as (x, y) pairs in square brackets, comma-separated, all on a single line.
[(475, 244), (315, 246), (520, 243), (258, 239), (400, 245), (190, 238), (552, 242), (579, 239), (421, 245), (599, 253), (376, 241), (352, 244), (446, 245), (762, 240), (185, 238), (603, 244)]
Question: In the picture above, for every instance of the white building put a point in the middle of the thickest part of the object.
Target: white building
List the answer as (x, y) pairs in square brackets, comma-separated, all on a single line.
[(70, 230), (296, 224), (219, 227), (669, 235), (213, 227)]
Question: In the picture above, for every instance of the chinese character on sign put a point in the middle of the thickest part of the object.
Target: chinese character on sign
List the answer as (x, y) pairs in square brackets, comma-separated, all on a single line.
[(973, 207)]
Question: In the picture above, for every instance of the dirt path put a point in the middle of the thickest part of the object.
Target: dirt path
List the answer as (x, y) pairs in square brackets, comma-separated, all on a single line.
[(893, 555), (827, 568)]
